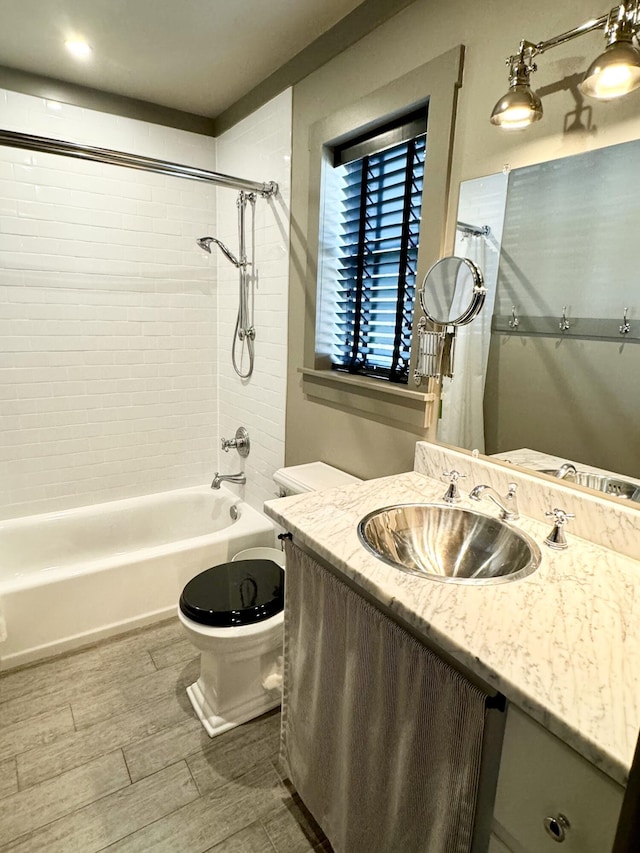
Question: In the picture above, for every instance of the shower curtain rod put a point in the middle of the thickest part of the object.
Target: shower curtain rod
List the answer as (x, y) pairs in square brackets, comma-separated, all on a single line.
[(132, 161), (473, 230)]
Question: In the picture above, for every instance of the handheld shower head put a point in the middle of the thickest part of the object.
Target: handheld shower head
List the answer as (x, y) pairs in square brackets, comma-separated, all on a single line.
[(205, 243)]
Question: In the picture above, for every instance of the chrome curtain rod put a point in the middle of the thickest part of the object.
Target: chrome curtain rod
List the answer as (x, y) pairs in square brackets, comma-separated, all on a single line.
[(473, 230), (132, 161)]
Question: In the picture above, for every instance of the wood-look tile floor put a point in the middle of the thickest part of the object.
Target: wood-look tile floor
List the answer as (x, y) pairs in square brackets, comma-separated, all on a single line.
[(100, 750)]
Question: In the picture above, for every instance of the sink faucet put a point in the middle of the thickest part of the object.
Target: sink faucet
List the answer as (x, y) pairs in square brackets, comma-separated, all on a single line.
[(238, 478), (566, 471), (508, 504)]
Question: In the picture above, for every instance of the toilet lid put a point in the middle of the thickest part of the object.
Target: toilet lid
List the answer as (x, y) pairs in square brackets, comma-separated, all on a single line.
[(232, 594)]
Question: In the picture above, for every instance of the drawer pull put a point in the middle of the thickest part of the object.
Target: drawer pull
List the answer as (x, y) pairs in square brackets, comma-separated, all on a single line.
[(556, 827)]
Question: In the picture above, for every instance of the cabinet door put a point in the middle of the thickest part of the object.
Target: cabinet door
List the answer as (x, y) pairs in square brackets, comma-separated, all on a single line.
[(541, 777)]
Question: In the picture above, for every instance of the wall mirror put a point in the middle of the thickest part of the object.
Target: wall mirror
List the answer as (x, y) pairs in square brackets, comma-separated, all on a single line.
[(554, 372), (452, 292)]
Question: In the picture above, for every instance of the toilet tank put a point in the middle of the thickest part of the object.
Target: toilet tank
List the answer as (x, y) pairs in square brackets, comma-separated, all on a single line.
[(310, 477)]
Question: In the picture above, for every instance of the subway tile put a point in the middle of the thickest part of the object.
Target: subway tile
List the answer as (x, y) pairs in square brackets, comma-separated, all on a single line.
[(28, 810), (119, 259)]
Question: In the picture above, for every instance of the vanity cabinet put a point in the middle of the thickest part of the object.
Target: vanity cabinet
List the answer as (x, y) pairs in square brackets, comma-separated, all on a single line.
[(542, 779)]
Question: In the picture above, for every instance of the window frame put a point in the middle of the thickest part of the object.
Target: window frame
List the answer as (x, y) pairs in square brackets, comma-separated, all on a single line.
[(437, 83), (370, 160)]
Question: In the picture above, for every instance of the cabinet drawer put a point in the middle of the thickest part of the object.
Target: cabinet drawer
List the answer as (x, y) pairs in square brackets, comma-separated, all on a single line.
[(542, 777)]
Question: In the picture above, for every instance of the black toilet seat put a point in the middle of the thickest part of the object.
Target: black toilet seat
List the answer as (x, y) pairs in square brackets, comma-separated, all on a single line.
[(233, 594)]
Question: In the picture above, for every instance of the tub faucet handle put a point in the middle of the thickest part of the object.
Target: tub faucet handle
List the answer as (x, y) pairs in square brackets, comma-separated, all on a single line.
[(452, 495), (557, 539), (240, 442)]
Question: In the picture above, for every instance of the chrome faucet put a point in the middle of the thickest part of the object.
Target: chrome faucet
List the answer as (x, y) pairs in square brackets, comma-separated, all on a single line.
[(565, 471), (239, 478), (452, 495), (556, 539), (508, 504)]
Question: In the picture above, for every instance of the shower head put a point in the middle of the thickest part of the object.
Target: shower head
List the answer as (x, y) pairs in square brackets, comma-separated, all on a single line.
[(205, 243)]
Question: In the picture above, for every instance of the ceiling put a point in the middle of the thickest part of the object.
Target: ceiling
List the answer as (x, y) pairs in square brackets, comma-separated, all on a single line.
[(200, 56)]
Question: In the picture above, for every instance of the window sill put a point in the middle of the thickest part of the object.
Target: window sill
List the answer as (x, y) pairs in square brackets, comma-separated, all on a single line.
[(371, 398)]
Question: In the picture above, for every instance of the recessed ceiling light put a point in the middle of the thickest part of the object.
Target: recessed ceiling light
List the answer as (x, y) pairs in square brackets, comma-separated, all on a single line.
[(78, 48)]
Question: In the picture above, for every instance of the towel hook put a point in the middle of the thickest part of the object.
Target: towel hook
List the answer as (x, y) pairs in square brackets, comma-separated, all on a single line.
[(625, 328), (514, 322), (564, 324)]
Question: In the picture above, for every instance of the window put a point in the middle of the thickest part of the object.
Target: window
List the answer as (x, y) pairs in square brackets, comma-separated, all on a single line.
[(325, 395), (380, 195)]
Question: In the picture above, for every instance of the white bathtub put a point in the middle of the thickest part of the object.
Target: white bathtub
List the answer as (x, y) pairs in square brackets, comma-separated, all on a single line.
[(73, 577)]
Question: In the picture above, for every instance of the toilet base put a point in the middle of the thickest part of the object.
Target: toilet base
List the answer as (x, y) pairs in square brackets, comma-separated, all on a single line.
[(215, 724)]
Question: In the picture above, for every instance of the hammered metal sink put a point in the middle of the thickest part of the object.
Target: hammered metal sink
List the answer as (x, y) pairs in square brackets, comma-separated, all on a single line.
[(448, 543)]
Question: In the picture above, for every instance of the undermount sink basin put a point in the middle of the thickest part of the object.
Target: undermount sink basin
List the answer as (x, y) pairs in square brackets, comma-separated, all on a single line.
[(448, 543), (601, 483)]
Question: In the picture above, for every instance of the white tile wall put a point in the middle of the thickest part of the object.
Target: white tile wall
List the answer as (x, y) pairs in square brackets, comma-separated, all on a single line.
[(108, 311), (115, 331), (259, 148)]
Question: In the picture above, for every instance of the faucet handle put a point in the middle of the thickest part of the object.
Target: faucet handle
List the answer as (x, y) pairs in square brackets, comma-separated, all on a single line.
[(241, 443), (511, 503), (452, 495), (557, 539)]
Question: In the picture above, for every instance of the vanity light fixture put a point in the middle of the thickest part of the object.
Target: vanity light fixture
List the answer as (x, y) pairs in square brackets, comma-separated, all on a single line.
[(614, 73), (78, 48)]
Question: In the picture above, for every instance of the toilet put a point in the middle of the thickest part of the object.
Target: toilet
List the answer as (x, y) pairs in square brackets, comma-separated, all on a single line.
[(233, 614)]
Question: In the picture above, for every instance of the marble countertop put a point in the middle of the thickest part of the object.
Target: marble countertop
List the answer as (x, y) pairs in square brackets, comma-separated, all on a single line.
[(538, 461), (562, 644)]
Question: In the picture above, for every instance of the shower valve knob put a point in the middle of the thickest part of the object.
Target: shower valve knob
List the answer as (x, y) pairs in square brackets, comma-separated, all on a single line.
[(241, 443)]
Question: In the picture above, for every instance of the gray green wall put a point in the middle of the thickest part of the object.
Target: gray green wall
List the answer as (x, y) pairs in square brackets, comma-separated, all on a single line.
[(423, 31)]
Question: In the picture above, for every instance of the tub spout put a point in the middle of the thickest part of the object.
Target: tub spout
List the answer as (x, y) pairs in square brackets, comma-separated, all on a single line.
[(239, 478)]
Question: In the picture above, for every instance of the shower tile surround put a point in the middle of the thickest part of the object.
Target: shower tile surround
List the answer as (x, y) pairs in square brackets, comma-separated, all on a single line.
[(259, 148), (563, 644), (114, 328), (107, 314)]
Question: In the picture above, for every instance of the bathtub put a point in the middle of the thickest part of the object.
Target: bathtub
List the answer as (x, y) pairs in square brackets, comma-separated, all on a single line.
[(73, 577)]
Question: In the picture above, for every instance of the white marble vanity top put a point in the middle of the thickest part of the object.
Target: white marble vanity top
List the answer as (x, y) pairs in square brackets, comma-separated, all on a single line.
[(538, 461), (562, 644)]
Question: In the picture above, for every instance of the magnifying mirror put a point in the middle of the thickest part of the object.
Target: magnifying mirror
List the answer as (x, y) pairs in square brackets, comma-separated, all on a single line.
[(452, 292)]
